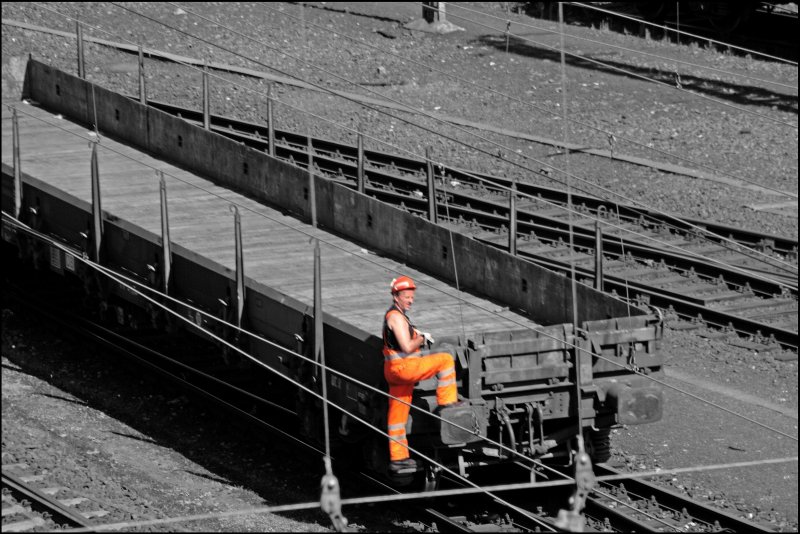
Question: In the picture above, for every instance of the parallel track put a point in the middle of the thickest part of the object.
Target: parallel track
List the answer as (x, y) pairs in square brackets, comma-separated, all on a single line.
[(740, 294), (47, 508), (623, 505), (653, 508)]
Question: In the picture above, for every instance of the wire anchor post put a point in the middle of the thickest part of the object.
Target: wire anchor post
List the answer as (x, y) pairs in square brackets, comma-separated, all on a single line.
[(598, 256), (240, 289), (81, 60), (312, 187), (270, 122), (166, 244), (97, 210), (512, 219), (206, 97), (573, 519), (142, 87), (361, 182), (330, 500), (17, 163), (431, 187)]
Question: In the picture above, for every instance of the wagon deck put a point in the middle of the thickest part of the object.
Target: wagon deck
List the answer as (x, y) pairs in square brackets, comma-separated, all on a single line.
[(277, 248)]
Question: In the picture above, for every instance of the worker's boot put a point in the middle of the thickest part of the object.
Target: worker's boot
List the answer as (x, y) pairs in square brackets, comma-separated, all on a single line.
[(401, 467)]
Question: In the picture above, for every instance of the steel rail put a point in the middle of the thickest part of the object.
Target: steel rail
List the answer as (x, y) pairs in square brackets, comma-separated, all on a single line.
[(676, 502), (622, 505), (684, 503), (227, 396), (51, 505)]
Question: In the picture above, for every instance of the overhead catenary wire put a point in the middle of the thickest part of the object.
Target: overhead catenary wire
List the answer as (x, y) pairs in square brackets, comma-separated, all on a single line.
[(573, 279), (566, 343), (55, 243), (457, 296), (604, 222), (133, 282), (649, 238), (475, 488), (409, 122), (246, 332), (172, 57), (699, 228), (625, 71), (120, 280), (678, 31), (329, 243), (616, 364), (438, 493), (280, 222)]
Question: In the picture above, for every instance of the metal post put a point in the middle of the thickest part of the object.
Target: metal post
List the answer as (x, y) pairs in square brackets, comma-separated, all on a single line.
[(303, 26), (17, 161), (97, 210), (430, 11), (312, 194), (361, 185), (142, 92), (431, 187), (206, 97), (598, 257), (270, 123), (165, 240), (512, 222), (81, 62), (319, 348), (237, 221)]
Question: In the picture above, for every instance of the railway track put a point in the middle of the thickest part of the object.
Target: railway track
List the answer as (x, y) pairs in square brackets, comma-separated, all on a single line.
[(638, 505), (648, 257), (30, 502), (235, 389), (620, 505), (767, 28)]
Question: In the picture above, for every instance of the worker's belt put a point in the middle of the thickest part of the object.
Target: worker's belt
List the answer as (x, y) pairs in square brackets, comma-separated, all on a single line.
[(390, 355)]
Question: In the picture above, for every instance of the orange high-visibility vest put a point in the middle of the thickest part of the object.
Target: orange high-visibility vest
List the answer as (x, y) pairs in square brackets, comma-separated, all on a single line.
[(391, 347)]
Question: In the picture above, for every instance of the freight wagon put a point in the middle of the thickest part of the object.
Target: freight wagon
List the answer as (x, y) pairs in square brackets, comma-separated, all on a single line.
[(516, 356)]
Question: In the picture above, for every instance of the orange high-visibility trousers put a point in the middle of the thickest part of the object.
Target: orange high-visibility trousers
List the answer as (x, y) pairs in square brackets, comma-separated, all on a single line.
[(402, 374)]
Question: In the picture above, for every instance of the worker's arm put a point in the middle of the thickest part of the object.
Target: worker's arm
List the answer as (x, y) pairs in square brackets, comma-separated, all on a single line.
[(399, 326)]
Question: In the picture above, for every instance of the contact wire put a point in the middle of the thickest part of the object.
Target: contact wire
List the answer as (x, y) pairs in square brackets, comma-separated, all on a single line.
[(577, 359), (703, 230), (402, 497)]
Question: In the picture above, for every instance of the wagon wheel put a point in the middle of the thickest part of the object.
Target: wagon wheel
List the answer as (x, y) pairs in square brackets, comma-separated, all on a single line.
[(599, 442), (376, 453), (433, 477)]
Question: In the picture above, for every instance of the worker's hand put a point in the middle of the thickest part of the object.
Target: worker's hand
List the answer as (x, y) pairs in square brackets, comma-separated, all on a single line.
[(428, 338)]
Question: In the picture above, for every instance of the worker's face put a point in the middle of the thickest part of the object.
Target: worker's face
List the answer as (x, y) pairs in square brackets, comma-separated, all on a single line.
[(404, 299)]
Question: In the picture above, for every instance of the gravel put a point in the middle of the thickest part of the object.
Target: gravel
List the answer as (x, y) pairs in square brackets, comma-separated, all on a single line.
[(739, 136)]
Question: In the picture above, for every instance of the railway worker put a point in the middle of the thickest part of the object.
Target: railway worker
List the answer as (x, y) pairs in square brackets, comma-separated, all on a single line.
[(404, 366)]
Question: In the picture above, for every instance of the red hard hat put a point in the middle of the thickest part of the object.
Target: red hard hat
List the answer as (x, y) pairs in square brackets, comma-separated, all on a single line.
[(401, 283)]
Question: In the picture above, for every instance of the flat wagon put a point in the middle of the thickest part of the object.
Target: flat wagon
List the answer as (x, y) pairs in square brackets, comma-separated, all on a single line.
[(508, 323)]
